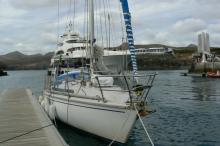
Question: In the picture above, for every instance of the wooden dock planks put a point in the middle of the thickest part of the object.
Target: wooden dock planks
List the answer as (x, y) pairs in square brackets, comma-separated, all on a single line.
[(21, 114)]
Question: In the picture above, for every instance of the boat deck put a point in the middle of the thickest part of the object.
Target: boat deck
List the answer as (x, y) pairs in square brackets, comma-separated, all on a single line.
[(24, 123)]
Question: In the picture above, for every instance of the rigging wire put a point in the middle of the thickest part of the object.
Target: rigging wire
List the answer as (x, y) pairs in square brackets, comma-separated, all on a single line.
[(109, 31), (105, 21), (58, 21), (124, 40), (122, 26), (112, 27), (100, 24), (109, 24), (96, 19), (87, 28), (70, 10), (72, 22), (108, 28), (69, 22), (85, 44), (84, 20), (124, 59), (74, 14)]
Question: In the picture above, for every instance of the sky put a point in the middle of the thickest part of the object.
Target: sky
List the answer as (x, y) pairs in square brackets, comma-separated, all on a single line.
[(33, 26)]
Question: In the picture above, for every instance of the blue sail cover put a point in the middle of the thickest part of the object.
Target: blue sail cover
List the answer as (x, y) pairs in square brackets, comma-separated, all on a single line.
[(127, 19), (72, 75)]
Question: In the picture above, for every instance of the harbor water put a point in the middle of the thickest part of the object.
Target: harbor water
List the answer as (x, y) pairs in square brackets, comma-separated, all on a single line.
[(187, 110)]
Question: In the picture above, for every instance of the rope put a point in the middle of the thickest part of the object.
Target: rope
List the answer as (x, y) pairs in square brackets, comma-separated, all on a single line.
[(26, 133), (142, 123)]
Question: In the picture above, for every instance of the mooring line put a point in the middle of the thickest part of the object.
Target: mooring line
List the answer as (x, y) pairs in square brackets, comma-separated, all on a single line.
[(26, 133), (142, 123)]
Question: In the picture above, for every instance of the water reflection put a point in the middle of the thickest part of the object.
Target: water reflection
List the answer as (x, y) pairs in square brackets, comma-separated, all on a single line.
[(205, 89)]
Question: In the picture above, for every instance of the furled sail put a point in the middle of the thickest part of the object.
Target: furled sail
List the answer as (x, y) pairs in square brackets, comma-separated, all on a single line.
[(127, 19)]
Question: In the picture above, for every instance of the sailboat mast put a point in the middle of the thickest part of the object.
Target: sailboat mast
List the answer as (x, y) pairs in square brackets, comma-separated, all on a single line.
[(91, 32)]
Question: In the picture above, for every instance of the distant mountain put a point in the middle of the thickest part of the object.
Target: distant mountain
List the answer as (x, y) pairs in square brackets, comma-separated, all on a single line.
[(15, 54), (17, 60), (192, 46)]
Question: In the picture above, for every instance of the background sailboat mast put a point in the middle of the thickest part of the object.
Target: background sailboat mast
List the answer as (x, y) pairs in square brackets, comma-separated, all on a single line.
[(91, 32)]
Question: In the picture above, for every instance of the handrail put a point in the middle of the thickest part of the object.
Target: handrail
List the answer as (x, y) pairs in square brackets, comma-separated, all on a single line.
[(133, 89), (127, 75), (128, 89), (143, 95), (144, 86)]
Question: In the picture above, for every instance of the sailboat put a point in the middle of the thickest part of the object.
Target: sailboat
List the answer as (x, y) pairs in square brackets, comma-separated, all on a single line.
[(94, 99)]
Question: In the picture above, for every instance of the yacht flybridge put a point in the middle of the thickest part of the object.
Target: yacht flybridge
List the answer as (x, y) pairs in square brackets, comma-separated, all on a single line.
[(74, 49), (71, 45), (90, 96)]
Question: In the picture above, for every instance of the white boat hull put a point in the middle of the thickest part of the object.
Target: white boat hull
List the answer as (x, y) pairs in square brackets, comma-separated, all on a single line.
[(112, 123)]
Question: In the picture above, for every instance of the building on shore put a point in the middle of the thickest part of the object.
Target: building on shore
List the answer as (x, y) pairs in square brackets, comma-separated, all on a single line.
[(154, 51)]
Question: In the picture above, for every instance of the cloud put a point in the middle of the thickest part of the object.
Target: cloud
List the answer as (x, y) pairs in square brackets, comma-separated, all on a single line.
[(181, 33), (32, 26), (6, 41), (190, 25), (7, 11), (214, 28), (49, 38), (32, 4), (215, 37)]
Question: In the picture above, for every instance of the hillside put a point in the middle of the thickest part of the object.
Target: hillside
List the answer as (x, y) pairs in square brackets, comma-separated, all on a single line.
[(16, 60), (182, 58)]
